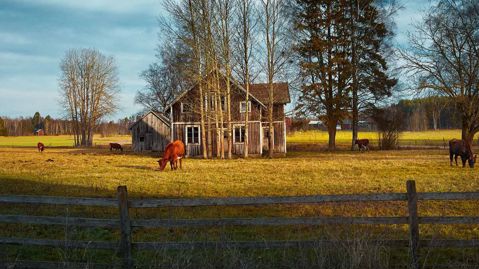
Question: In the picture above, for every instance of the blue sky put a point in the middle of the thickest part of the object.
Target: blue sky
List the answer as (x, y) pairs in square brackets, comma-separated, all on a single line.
[(35, 34)]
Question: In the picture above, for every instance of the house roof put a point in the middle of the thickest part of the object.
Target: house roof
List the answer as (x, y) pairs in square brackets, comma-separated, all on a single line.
[(280, 92), (258, 92), (156, 114), (234, 82)]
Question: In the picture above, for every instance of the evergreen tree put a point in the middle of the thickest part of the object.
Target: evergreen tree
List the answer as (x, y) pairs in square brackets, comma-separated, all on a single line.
[(369, 44), (322, 45)]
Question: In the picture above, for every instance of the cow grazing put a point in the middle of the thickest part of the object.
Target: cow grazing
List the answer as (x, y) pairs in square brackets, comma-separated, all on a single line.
[(116, 146), (461, 148), (363, 144), (40, 147), (174, 152)]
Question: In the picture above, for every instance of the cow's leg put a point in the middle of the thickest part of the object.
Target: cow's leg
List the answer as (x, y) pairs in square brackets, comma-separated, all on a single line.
[(463, 159), (455, 158), (180, 163), (451, 156)]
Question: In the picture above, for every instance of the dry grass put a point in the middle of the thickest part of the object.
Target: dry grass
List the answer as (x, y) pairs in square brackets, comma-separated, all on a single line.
[(97, 172), (58, 141), (439, 137)]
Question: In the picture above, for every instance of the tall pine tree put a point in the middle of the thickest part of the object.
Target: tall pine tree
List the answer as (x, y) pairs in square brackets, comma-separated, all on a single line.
[(322, 45), (369, 44)]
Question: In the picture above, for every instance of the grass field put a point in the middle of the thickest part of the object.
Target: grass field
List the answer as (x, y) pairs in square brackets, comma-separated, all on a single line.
[(343, 138), (438, 137), (97, 172), (57, 141)]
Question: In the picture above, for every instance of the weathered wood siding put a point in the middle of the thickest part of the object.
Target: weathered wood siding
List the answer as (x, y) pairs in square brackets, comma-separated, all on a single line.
[(254, 136), (150, 133), (179, 134), (279, 137)]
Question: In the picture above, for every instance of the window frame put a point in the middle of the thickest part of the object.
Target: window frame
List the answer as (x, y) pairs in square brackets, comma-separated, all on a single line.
[(241, 107), (186, 134), (183, 107), (242, 133)]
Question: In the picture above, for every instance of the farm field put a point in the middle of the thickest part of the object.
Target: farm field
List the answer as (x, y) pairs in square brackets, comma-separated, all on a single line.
[(97, 172), (343, 138), (431, 138), (58, 141)]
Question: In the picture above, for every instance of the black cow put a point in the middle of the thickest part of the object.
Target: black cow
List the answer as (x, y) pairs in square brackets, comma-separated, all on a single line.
[(363, 144), (116, 146), (463, 149)]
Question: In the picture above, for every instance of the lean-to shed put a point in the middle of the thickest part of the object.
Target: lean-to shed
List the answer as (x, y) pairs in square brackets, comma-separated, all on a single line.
[(151, 132)]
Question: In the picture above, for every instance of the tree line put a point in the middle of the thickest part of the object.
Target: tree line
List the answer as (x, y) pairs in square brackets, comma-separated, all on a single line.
[(25, 126)]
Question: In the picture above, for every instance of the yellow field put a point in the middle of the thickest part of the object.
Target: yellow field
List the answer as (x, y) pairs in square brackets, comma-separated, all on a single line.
[(439, 137), (58, 141), (407, 138), (97, 173)]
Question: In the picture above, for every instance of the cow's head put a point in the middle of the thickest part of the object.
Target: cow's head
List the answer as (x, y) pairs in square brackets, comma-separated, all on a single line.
[(472, 161), (162, 163)]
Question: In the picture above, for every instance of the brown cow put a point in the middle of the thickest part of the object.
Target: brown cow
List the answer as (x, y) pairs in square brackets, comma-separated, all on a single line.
[(461, 148), (40, 147), (174, 152), (362, 144), (116, 146)]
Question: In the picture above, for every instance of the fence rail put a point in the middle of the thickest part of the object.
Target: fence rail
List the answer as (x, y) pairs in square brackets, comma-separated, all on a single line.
[(125, 245)]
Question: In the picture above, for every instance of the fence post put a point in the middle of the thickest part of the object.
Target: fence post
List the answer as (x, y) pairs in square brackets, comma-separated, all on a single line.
[(125, 227), (413, 223)]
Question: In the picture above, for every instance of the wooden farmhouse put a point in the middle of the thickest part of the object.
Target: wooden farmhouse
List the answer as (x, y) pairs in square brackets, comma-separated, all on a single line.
[(150, 132), (184, 121), (185, 118)]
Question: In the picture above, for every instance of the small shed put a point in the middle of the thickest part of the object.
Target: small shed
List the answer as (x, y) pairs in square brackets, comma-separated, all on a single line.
[(150, 133), (39, 132)]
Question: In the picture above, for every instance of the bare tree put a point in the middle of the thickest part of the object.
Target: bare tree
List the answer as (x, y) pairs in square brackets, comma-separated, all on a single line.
[(444, 57), (89, 90), (164, 79), (245, 30), (274, 27)]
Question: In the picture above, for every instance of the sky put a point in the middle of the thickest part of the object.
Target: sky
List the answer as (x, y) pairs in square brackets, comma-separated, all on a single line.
[(35, 34)]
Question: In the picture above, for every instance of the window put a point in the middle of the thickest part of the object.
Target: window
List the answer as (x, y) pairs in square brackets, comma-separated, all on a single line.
[(243, 106), (211, 104), (192, 134), (223, 103), (238, 134), (185, 108), (142, 139)]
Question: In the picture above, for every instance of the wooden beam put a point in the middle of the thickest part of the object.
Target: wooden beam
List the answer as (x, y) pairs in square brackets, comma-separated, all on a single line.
[(59, 243), (413, 223), (125, 228), (65, 221), (168, 223), (143, 203), (53, 200)]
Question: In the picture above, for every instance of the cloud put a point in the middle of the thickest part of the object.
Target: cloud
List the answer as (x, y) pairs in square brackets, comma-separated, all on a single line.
[(150, 7)]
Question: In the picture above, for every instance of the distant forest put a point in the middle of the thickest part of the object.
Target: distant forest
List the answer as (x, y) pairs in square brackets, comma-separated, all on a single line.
[(420, 114), (23, 126)]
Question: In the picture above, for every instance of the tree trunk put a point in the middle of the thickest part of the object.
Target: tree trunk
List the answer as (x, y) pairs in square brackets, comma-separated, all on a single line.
[(355, 88), (332, 135), (246, 121)]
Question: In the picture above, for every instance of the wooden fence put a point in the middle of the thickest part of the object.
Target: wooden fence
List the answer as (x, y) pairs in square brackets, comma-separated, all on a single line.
[(125, 245)]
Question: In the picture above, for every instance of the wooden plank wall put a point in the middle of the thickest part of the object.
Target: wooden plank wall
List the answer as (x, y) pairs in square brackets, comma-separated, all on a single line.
[(155, 132)]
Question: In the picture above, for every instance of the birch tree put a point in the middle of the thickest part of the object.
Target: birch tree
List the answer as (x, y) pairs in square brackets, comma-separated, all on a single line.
[(275, 28), (246, 20)]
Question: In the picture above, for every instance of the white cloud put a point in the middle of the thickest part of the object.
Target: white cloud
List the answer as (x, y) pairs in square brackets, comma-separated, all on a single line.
[(14, 39), (114, 6)]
